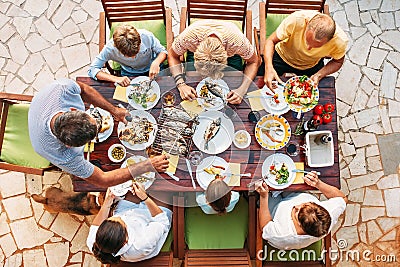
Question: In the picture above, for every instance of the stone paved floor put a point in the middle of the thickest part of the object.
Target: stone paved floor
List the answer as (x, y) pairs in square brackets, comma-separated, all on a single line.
[(40, 40)]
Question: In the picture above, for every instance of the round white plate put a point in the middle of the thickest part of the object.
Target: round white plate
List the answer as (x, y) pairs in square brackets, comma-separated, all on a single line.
[(141, 114), (120, 190), (279, 159), (155, 89), (270, 105), (221, 141), (107, 133), (243, 145), (203, 178), (110, 149), (219, 103), (149, 175)]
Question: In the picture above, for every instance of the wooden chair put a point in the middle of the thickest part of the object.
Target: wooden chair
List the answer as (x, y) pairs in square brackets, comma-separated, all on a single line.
[(16, 151), (274, 11), (143, 14), (164, 258), (261, 245), (235, 11), (233, 257)]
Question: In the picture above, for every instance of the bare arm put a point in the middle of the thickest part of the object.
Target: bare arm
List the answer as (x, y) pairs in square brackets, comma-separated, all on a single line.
[(264, 216), (142, 195), (270, 73), (332, 66), (155, 65), (123, 81), (105, 209), (326, 189)]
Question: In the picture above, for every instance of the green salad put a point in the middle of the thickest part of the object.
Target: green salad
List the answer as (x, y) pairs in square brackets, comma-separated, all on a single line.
[(281, 174)]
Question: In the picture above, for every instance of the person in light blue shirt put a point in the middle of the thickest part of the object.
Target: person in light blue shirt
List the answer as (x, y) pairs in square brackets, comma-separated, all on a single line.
[(138, 51), (218, 198)]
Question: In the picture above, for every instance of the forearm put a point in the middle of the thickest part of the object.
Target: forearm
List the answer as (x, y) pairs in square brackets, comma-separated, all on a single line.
[(152, 206), (264, 216), (329, 191), (160, 58), (331, 67), (269, 54), (90, 95), (102, 215), (103, 76), (250, 73), (174, 63)]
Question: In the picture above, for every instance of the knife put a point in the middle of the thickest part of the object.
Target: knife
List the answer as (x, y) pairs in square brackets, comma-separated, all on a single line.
[(258, 96), (172, 176), (302, 171), (190, 172), (236, 174)]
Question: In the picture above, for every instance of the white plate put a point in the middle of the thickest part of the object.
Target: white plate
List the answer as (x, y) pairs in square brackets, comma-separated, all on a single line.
[(149, 175), (104, 135), (279, 159), (269, 103), (222, 140), (244, 145), (155, 89), (110, 149), (141, 114), (219, 103), (203, 178), (120, 190)]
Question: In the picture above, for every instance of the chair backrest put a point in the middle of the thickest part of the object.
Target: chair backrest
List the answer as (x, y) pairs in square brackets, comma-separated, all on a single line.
[(16, 151)]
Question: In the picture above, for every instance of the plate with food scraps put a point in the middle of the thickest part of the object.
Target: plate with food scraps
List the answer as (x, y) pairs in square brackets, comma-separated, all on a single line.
[(209, 168), (242, 139), (212, 93), (107, 122), (301, 93), (277, 169), (276, 104), (214, 133), (138, 133), (272, 132), (142, 96), (147, 178)]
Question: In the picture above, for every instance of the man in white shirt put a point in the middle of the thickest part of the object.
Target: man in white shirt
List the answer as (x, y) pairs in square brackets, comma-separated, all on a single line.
[(299, 219)]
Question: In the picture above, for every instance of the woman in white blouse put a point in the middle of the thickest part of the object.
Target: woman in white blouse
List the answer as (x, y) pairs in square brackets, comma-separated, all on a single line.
[(134, 233)]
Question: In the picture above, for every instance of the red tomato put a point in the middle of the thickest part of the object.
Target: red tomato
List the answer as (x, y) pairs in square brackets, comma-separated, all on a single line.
[(317, 119), (326, 118), (319, 109), (328, 107)]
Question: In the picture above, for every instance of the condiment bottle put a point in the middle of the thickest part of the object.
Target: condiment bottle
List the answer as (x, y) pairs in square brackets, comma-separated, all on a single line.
[(323, 139), (311, 125)]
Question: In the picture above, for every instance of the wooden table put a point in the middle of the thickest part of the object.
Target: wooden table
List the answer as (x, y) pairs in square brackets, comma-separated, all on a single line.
[(254, 156)]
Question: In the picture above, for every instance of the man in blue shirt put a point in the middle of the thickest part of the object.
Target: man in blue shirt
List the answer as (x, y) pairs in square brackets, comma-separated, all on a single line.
[(59, 128), (138, 51)]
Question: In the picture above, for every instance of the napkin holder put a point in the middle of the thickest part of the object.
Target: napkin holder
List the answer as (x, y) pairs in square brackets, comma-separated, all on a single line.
[(319, 154)]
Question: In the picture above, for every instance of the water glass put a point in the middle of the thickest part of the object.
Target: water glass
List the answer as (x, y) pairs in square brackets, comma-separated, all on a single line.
[(195, 157)]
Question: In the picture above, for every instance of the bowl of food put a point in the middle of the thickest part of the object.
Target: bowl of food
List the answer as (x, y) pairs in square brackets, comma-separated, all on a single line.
[(242, 139), (116, 153)]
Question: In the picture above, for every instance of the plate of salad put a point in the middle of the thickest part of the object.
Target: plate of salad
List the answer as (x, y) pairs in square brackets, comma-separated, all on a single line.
[(141, 94), (301, 93), (278, 171)]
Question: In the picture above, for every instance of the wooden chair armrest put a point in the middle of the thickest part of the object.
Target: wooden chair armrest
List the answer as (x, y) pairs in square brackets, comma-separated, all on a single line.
[(257, 44), (183, 20), (178, 224), (327, 246), (168, 27), (263, 29), (249, 25), (259, 242), (326, 9), (251, 240), (102, 30), (16, 97)]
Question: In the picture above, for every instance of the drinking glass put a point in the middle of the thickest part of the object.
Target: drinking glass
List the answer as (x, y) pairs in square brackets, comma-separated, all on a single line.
[(254, 116), (195, 157), (229, 112), (292, 148), (168, 98)]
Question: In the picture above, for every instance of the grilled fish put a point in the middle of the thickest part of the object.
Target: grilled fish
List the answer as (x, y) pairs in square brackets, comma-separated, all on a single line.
[(211, 131), (214, 89)]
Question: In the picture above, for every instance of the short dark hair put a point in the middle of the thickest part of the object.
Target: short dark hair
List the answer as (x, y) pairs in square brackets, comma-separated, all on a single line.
[(314, 219), (110, 238), (74, 128), (218, 195)]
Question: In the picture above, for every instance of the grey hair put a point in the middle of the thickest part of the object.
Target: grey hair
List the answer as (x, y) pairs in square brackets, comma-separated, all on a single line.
[(323, 26)]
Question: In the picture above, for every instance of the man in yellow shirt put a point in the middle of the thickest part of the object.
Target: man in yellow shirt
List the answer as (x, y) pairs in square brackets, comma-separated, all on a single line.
[(299, 45)]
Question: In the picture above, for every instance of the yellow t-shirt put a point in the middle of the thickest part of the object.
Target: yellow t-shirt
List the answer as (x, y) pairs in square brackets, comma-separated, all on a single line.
[(293, 48)]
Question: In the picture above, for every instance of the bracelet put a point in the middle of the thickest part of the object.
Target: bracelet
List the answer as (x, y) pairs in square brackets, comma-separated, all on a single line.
[(179, 84), (144, 199), (179, 76)]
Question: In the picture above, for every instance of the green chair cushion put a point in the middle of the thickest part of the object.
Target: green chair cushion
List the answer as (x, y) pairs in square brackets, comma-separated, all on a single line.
[(204, 231), (17, 148), (167, 244), (272, 22), (157, 27), (304, 254)]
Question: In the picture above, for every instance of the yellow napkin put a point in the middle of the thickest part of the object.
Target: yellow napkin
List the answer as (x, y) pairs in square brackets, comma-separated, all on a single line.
[(255, 103), (120, 94), (191, 107), (235, 179), (299, 176), (173, 162), (87, 146)]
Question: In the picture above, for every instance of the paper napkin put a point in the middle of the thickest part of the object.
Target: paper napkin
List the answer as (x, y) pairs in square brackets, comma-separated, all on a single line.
[(173, 162), (299, 176), (191, 107), (87, 147), (255, 103), (235, 179), (120, 94)]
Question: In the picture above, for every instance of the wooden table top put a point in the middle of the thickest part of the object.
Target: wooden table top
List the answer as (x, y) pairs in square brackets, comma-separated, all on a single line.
[(251, 159)]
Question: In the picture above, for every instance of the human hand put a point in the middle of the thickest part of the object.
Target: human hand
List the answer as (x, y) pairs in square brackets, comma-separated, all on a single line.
[(123, 81), (154, 70), (120, 113), (312, 179), (270, 76), (159, 163), (187, 92), (262, 189), (236, 96), (139, 191), (109, 198), (316, 78)]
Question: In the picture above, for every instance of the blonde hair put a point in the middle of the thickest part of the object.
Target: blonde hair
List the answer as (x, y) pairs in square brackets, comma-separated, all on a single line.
[(127, 40), (323, 26), (210, 58), (218, 195)]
